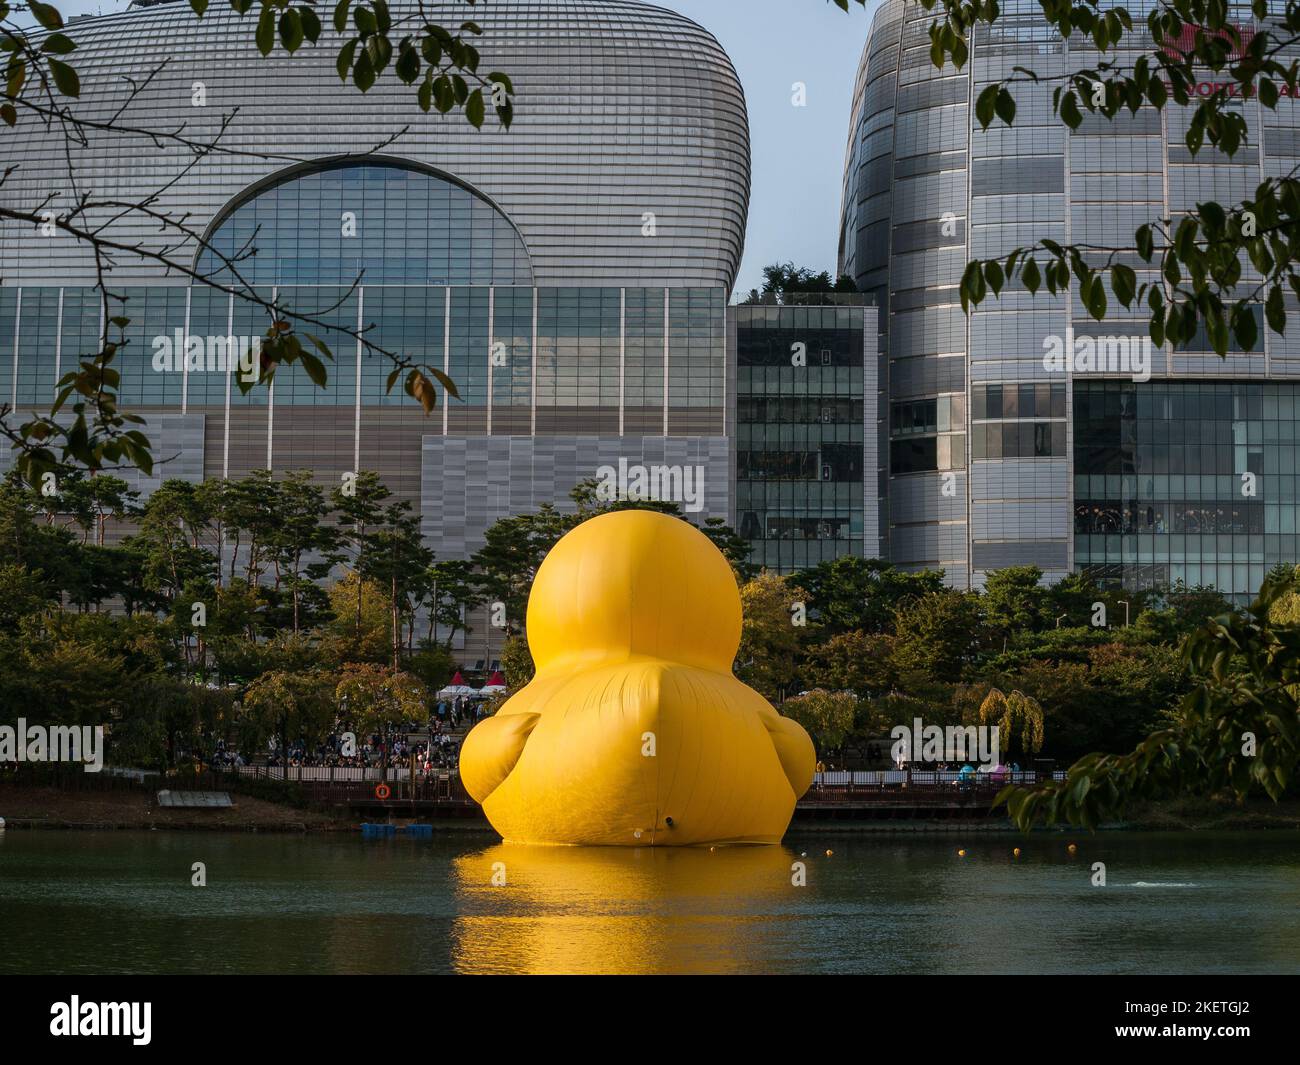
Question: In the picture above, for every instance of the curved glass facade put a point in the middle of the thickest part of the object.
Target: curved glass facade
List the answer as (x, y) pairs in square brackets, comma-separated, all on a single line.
[(990, 445), (381, 223)]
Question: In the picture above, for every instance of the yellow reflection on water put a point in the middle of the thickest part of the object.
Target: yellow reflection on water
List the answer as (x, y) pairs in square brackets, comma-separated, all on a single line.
[(618, 910)]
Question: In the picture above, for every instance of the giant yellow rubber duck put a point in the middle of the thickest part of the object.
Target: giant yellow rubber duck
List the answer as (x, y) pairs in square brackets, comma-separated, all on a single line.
[(634, 732)]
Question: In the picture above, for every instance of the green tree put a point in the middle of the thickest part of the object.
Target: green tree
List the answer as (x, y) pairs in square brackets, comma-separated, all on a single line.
[(770, 643), (851, 594), (396, 559), (1014, 601), (517, 663), (372, 698), (299, 704), (852, 661), (1236, 730), (300, 545), (937, 635), (360, 508), (829, 717)]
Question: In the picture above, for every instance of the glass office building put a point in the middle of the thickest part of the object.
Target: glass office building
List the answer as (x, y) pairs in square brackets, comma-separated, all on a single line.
[(1137, 481), (570, 274), (806, 418)]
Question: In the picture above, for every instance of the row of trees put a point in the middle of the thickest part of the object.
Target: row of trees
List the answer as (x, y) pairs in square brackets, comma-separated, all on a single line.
[(239, 610), (903, 645), (247, 609)]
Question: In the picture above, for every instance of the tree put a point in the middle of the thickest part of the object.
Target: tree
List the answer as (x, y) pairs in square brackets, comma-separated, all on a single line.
[(396, 558), (373, 697), (517, 663), (172, 527), (937, 635), (768, 658), (298, 703), (852, 661), (827, 716), (453, 593), (850, 594), (360, 508), (1010, 709), (512, 551), (1237, 730), (1014, 601), (781, 280), (300, 545)]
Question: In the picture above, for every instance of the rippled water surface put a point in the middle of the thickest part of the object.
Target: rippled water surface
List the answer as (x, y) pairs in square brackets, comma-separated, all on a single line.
[(898, 903)]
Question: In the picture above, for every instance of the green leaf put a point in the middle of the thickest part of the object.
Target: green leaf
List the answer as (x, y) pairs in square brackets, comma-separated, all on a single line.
[(315, 369), (1006, 106), (1123, 282), (474, 109), (1244, 328), (408, 64), (58, 44), (1145, 242), (65, 78), (265, 36), (447, 383), (200, 7), (310, 24), (344, 62), (341, 15), (1030, 275), (46, 15), (363, 73), (984, 105), (291, 30), (1275, 310)]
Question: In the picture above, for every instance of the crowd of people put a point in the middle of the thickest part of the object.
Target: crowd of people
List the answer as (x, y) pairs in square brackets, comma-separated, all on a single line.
[(438, 751)]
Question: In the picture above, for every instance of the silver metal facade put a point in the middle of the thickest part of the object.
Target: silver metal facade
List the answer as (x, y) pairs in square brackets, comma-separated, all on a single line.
[(592, 328), (623, 110), (925, 191)]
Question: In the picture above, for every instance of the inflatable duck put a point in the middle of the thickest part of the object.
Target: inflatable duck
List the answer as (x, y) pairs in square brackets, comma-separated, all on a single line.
[(634, 731)]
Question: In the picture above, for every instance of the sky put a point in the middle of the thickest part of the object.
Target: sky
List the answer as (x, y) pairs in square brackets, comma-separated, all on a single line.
[(798, 152)]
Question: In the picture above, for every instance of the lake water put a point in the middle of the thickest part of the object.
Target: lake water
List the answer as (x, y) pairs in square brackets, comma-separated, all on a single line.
[(86, 902)]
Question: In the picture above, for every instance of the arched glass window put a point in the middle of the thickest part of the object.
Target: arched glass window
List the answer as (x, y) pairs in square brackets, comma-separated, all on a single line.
[(383, 221)]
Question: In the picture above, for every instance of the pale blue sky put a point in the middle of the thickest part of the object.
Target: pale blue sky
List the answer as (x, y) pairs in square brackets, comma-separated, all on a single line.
[(798, 151)]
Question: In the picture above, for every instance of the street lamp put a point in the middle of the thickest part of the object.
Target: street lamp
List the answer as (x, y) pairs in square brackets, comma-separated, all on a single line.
[(1124, 604), (1058, 620)]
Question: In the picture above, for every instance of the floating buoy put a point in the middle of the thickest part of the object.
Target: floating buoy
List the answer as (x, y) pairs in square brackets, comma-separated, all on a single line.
[(636, 834), (1072, 848), (829, 853), (712, 849), (961, 854), (382, 792), (1016, 852), (803, 854)]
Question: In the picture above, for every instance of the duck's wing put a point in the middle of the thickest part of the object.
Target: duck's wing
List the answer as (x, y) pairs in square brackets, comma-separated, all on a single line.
[(491, 750), (794, 749)]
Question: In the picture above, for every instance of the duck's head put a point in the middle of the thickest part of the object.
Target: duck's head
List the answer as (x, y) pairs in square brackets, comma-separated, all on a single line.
[(634, 583)]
